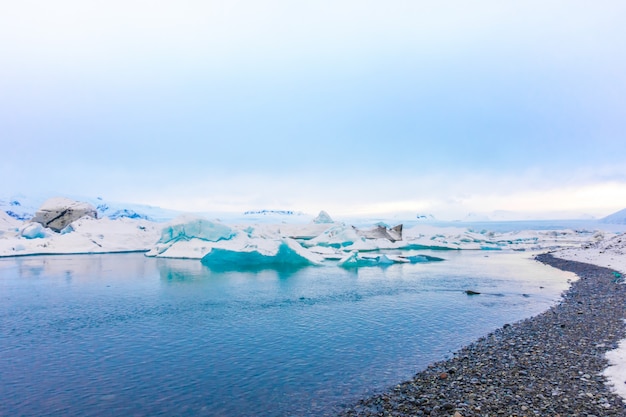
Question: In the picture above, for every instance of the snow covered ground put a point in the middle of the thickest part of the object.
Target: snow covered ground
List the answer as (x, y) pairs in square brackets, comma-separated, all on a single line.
[(610, 253)]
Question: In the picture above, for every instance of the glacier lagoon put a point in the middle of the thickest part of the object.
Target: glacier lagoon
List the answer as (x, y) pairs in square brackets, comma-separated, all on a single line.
[(123, 334)]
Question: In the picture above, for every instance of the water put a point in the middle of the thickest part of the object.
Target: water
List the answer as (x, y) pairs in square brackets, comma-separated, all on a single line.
[(129, 335)]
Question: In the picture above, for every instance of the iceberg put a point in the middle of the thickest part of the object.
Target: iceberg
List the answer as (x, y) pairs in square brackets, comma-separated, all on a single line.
[(127, 213), (338, 236), (261, 253), (323, 218), (354, 260), (190, 237), (187, 228), (33, 231)]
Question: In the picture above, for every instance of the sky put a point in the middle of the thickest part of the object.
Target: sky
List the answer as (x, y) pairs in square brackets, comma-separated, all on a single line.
[(355, 107)]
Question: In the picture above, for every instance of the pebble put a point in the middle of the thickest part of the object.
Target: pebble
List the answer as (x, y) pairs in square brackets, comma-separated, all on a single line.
[(548, 365)]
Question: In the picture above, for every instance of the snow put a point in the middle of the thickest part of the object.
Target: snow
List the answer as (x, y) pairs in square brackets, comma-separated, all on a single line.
[(610, 253), (602, 250), (194, 237), (87, 235), (23, 207), (616, 371)]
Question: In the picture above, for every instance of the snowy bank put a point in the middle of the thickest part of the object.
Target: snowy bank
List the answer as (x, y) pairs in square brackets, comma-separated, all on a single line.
[(194, 237), (609, 253)]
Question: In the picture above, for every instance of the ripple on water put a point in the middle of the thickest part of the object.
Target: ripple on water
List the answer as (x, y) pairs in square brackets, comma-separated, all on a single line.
[(83, 334)]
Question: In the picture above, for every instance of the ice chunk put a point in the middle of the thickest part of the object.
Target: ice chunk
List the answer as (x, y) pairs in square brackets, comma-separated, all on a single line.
[(354, 260), (127, 213), (323, 218), (264, 254), (337, 236), (33, 231), (187, 228)]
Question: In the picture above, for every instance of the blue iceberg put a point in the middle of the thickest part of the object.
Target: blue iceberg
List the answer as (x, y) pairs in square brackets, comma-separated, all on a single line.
[(354, 260), (286, 254)]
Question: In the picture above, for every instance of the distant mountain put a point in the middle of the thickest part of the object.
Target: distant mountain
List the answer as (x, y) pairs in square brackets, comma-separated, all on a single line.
[(615, 218), (272, 212), (476, 217), (23, 207)]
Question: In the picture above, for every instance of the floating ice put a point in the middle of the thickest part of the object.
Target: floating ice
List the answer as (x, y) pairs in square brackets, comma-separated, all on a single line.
[(266, 254), (354, 260), (127, 213), (33, 231), (323, 218), (337, 236)]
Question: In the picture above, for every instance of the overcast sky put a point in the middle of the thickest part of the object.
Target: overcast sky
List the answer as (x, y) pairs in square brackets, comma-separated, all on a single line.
[(443, 107)]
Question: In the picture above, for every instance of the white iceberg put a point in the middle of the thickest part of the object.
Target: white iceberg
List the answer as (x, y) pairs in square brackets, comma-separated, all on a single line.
[(190, 237), (85, 235), (187, 228), (323, 218), (338, 236)]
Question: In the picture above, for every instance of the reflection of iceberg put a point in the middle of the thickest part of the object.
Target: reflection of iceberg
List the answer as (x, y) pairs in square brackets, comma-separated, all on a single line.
[(422, 259), (181, 270), (266, 254)]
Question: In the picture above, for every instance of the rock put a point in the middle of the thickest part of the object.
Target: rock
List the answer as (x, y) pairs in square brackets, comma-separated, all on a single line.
[(57, 213)]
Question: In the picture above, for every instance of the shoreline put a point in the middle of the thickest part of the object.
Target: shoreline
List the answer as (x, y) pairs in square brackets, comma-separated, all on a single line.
[(550, 364)]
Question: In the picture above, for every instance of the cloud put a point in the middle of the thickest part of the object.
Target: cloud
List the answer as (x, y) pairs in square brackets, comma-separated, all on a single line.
[(361, 106)]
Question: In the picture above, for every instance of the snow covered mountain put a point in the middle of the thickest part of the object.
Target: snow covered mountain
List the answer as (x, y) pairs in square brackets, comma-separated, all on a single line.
[(23, 207), (615, 218)]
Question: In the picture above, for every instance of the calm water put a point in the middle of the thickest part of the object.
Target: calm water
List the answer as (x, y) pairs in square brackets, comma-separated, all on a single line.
[(129, 335)]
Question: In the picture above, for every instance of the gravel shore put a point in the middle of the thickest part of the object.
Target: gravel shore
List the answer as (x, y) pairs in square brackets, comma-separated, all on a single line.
[(547, 365)]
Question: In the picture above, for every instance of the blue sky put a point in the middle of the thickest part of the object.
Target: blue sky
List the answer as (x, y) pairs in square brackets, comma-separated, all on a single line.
[(359, 107)]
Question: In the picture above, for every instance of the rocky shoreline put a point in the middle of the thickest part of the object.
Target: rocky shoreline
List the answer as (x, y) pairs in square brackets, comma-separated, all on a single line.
[(547, 365)]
